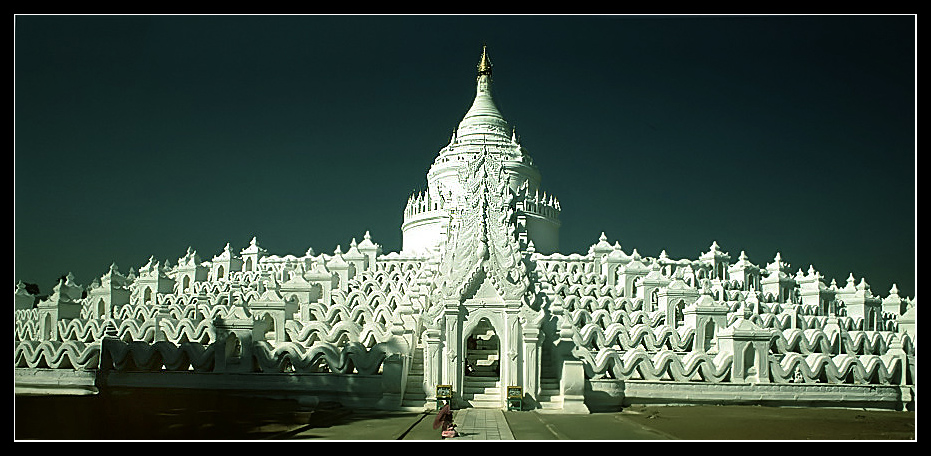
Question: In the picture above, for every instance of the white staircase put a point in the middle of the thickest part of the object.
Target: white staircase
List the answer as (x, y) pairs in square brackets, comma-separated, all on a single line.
[(414, 396), (483, 392), (550, 397), (482, 385), (482, 353)]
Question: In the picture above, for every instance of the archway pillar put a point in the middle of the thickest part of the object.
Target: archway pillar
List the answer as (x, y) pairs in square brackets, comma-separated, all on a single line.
[(450, 373), (531, 361), (511, 349), (433, 362)]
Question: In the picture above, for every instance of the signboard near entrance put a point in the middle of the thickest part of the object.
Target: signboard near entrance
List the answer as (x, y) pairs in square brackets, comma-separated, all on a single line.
[(515, 396), (444, 394)]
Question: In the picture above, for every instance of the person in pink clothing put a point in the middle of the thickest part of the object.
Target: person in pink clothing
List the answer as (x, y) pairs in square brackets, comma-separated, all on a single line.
[(444, 420)]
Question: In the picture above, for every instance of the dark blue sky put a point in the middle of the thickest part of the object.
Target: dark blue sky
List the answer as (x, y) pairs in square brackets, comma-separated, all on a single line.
[(143, 135)]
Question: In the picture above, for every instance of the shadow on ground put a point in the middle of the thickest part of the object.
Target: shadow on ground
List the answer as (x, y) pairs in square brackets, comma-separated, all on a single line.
[(172, 415), (186, 415)]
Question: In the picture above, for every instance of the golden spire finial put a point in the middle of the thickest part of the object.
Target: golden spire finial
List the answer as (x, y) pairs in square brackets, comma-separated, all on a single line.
[(484, 66)]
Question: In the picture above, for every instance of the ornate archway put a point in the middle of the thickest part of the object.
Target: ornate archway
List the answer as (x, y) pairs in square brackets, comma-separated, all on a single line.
[(483, 351)]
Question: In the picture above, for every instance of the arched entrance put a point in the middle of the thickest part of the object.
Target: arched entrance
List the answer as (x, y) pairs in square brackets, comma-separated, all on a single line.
[(749, 363), (709, 335), (482, 351), (47, 327), (870, 323), (679, 314), (482, 368)]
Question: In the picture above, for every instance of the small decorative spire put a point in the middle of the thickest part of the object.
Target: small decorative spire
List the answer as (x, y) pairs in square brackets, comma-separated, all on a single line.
[(863, 285), (484, 65)]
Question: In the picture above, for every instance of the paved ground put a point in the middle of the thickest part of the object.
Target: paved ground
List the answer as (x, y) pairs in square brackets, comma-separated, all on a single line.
[(161, 416)]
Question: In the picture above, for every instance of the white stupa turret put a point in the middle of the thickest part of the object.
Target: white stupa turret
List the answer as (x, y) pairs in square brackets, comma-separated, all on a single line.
[(431, 215)]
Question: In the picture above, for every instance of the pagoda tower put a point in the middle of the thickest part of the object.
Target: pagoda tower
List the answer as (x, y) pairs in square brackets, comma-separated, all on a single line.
[(433, 214)]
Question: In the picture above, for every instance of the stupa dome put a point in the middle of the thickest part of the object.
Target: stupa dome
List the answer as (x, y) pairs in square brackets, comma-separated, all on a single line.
[(483, 117)]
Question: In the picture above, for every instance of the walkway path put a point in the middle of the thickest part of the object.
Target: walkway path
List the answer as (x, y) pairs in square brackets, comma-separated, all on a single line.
[(481, 424), (199, 415)]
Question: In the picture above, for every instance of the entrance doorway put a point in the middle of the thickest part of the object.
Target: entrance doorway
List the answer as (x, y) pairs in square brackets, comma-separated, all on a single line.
[(482, 352), (481, 386)]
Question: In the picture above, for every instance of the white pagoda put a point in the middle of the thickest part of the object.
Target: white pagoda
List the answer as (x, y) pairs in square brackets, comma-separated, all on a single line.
[(430, 216), (478, 308)]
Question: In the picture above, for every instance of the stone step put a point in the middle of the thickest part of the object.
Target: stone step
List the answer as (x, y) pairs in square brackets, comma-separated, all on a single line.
[(546, 394), (472, 389), (482, 381), (487, 355), (485, 335), (415, 399), (484, 370), (551, 405), (487, 404), (472, 380), (479, 353), (550, 392), (475, 389), (487, 398)]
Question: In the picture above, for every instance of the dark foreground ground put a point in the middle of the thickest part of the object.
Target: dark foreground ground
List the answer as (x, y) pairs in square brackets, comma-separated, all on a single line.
[(161, 416)]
